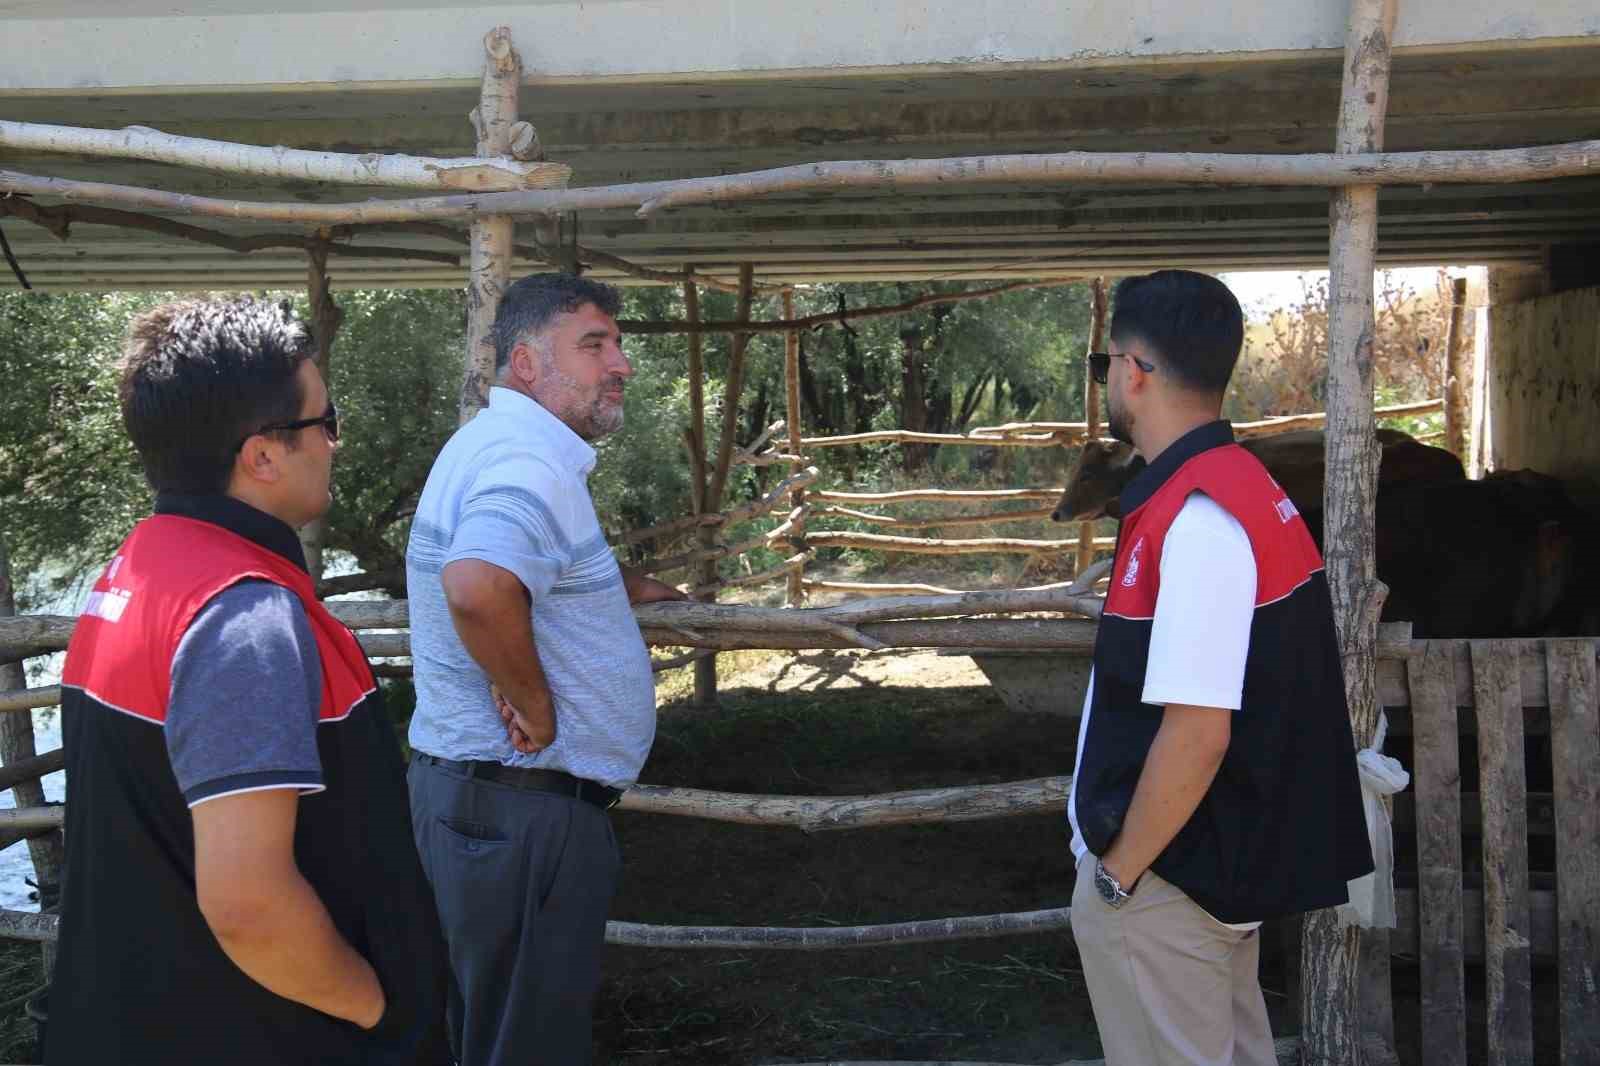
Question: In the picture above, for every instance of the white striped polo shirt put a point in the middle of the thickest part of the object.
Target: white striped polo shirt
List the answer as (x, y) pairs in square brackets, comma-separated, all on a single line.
[(510, 488)]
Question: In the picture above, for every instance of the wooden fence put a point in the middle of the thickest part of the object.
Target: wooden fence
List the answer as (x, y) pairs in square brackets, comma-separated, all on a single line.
[(1465, 890), (808, 504)]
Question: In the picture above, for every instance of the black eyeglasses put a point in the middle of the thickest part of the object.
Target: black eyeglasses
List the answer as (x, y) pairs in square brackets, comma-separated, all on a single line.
[(329, 423), (1100, 364)]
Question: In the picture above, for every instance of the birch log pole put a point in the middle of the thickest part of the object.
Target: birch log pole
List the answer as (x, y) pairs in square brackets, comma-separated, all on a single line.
[(1091, 404), (1331, 952), (367, 168), (325, 319), (796, 592), (17, 746), (1480, 166), (491, 235), (1457, 400)]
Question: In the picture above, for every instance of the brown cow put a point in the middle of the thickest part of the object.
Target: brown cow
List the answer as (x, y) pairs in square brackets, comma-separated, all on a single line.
[(1503, 557), (1295, 460)]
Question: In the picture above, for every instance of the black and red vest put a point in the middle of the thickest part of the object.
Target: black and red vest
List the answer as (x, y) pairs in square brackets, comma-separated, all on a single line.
[(139, 976), (1281, 829)]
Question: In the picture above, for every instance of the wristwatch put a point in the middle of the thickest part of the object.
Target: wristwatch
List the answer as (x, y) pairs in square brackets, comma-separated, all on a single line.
[(1109, 888)]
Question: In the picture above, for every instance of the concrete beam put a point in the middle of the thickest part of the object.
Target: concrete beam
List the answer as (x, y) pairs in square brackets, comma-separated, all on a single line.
[(79, 45)]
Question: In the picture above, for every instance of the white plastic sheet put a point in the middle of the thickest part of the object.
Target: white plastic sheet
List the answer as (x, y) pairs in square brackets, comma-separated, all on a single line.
[(1371, 903)]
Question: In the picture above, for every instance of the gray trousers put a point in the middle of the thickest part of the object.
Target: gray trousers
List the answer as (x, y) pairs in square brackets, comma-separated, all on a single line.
[(524, 882)]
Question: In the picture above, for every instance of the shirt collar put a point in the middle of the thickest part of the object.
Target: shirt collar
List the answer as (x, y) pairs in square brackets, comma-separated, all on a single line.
[(238, 517), (1197, 440), (574, 452)]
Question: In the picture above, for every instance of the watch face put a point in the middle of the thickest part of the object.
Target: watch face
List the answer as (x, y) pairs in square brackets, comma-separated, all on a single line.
[(1107, 889)]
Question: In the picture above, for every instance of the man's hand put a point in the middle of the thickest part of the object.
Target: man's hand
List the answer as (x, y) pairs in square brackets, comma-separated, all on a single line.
[(518, 724), (643, 589), (492, 615), (266, 916)]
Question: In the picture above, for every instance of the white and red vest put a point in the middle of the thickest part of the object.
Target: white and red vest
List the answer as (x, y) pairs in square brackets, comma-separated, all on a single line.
[(1281, 829), (139, 976)]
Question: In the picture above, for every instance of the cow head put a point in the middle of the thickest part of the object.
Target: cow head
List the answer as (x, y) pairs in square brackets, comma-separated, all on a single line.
[(1103, 470)]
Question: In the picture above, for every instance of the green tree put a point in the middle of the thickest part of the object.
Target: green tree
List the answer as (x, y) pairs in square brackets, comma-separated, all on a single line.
[(396, 376), (70, 484)]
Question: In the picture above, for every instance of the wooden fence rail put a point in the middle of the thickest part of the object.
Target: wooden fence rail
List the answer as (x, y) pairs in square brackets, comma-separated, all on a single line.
[(1448, 916)]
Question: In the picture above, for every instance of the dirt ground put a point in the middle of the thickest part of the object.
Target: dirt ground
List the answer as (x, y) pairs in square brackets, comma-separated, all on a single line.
[(844, 723)]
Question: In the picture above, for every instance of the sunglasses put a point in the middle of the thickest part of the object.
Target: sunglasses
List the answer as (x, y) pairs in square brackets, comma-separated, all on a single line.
[(1100, 364), (329, 423)]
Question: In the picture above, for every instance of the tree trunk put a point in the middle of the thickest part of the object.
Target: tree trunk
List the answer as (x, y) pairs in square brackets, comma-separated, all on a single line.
[(325, 319), (1332, 1025), (491, 234), (795, 594), (913, 396), (705, 670), (48, 852)]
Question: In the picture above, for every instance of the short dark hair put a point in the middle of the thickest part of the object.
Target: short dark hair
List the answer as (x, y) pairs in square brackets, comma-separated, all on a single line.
[(201, 375), (1191, 322), (532, 303)]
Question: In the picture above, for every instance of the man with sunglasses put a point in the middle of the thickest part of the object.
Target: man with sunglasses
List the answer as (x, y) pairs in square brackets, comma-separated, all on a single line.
[(242, 884), (1215, 784)]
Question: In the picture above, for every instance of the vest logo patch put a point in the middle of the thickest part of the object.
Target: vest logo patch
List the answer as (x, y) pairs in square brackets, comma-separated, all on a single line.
[(1286, 509), (1130, 576), (108, 604)]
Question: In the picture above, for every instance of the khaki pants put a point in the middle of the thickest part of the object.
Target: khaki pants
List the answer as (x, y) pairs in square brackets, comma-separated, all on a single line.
[(1170, 985)]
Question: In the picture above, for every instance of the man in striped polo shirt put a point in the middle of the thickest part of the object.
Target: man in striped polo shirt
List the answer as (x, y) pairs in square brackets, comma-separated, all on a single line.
[(535, 702)]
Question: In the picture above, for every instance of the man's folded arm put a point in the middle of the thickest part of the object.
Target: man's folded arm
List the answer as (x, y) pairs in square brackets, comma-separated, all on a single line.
[(490, 609)]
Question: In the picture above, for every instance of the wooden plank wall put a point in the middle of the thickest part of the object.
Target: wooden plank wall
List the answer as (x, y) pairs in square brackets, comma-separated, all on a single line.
[(1514, 689), (1575, 752), (1436, 784), (1497, 686)]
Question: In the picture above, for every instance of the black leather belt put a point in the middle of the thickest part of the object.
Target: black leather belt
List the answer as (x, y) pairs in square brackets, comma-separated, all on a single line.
[(534, 780)]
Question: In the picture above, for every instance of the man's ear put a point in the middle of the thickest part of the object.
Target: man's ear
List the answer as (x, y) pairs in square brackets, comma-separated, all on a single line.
[(258, 460), (524, 363)]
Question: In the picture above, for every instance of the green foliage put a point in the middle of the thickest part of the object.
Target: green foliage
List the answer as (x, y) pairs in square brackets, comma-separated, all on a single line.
[(70, 484), (642, 476), (396, 374)]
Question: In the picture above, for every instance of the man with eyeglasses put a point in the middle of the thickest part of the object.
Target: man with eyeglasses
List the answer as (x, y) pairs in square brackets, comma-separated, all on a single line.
[(1215, 784), (242, 885)]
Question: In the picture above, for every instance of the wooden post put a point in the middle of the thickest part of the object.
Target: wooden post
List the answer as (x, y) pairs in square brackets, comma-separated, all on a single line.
[(16, 745), (1091, 405), (705, 669), (1575, 746), (491, 234), (325, 319), (738, 342), (1332, 1027), (791, 380), (1457, 400)]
